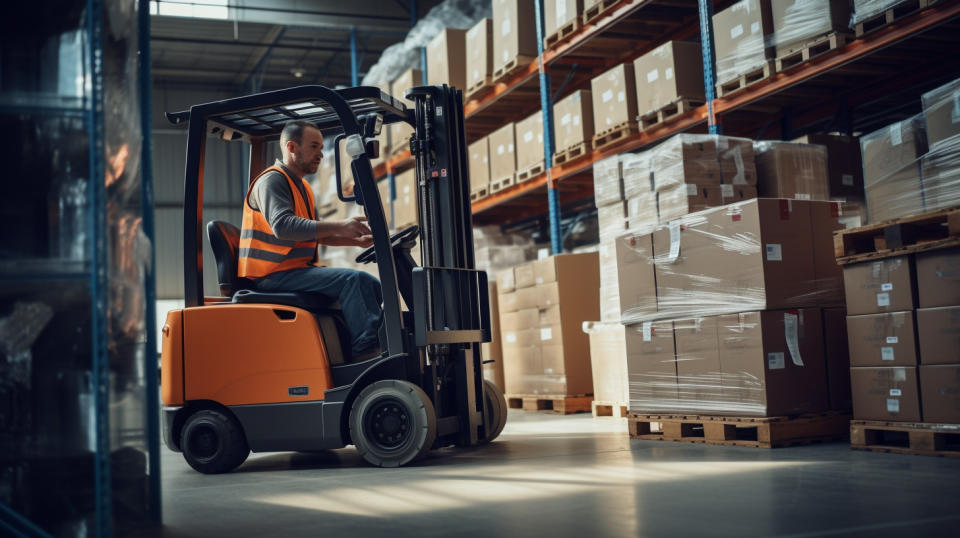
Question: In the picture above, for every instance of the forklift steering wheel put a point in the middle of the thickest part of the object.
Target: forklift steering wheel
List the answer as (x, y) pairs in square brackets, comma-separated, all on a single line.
[(407, 234)]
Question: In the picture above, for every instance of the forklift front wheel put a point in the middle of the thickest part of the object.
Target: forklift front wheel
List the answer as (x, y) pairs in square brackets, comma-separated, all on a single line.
[(392, 423), (494, 411), (213, 442)]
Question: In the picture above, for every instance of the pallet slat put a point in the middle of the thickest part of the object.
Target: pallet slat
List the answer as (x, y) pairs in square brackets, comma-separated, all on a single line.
[(479, 194), (668, 112), (562, 33), (479, 87), (614, 135), (518, 62), (907, 235), (609, 409), (593, 12), (571, 154), (746, 80), (818, 47), (755, 432), (530, 172), (561, 404), (498, 185), (906, 438), (889, 16)]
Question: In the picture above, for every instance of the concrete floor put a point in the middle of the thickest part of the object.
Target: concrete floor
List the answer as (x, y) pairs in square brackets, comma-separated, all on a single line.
[(571, 476)]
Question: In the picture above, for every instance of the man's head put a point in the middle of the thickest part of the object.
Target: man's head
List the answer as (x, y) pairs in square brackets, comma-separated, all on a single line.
[(302, 146)]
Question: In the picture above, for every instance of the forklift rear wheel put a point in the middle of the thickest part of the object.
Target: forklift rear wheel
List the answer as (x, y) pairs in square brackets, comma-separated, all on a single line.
[(213, 442), (392, 423), (494, 410)]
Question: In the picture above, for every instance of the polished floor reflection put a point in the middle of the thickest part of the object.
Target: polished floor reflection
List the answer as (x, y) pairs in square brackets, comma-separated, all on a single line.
[(571, 476)]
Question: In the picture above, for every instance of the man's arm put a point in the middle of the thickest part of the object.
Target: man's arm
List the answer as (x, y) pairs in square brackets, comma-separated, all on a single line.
[(274, 200)]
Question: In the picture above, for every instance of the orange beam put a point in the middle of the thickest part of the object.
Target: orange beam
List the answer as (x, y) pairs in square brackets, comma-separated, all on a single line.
[(501, 88)]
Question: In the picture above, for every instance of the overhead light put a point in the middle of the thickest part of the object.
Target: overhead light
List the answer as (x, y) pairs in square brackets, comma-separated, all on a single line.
[(298, 71)]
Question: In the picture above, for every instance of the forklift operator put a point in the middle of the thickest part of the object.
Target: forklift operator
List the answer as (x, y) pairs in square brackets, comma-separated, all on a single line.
[(280, 235)]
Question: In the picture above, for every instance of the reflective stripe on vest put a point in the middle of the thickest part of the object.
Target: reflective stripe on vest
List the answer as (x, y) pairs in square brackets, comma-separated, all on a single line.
[(261, 252)]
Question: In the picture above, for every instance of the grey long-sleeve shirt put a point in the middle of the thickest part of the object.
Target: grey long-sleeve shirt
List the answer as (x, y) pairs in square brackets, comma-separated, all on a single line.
[(271, 196)]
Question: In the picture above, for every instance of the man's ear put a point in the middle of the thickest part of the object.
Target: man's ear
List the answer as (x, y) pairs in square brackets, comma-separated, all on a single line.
[(291, 146)]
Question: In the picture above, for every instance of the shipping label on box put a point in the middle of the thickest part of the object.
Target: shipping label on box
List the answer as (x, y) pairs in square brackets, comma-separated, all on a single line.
[(885, 393), (879, 286), (882, 339)]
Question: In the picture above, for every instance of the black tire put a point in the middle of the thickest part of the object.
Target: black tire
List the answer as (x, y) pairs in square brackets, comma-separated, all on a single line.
[(494, 411), (392, 423), (213, 442)]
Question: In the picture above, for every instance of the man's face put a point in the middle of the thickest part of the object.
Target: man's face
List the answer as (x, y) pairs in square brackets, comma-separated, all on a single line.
[(309, 152)]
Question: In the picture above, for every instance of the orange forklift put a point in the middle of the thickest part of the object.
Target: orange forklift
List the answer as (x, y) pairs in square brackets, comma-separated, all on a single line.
[(251, 371)]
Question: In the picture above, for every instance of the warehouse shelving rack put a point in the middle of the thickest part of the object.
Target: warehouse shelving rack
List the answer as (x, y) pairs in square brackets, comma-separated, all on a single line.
[(870, 74)]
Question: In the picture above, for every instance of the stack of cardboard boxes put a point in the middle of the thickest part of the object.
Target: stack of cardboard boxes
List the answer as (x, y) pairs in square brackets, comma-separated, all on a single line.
[(668, 73), (796, 23), (573, 123), (904, 335), (739, 34), (400, 132), (543, 305), (514, 35)]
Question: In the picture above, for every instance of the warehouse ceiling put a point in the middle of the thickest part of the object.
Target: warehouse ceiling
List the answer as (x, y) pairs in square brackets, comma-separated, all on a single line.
[(257, 46)]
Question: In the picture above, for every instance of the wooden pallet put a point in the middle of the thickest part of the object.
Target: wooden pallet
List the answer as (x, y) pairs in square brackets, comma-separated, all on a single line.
[(564, 405), (612, 136), (479, 194), (755, 432), (666, 113), (906, 235), (518, 62), (498, 185), (479, 87), (571, 154), (819, 47), (593, 12), (906, 438), (889, 16), (609, 409), (745, 80), (564, 32), (530, 172)]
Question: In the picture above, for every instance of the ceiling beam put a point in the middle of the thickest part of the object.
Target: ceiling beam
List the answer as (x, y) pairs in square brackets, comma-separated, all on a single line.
[(259, 53)]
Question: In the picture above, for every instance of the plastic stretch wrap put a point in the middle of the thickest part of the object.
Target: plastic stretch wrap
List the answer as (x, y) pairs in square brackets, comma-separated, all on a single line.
[(607, 181), (941, 111), (867, 9), (791, 170), (608, 358), (637, 174), (495, 250), (609, 282), (739, 38), (762, 363), (940, 169), (799, 22)]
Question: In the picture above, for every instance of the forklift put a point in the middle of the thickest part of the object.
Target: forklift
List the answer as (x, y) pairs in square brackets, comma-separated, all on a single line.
[(250, 371)]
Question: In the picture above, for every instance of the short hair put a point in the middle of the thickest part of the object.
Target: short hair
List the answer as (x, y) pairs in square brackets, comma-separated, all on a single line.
[(293, 130)]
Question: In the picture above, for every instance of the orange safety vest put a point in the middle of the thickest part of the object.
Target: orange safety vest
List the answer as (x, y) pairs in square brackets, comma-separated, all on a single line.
[(261, 252)]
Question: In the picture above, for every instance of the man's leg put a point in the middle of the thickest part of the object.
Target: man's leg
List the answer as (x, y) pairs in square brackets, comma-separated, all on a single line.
[(358, 293)]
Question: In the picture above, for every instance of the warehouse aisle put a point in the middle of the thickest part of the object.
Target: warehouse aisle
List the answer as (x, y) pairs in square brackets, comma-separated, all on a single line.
[(570, 476)]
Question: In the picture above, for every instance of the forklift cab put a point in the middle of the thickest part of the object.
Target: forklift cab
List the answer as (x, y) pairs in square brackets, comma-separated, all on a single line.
[(250, 371)]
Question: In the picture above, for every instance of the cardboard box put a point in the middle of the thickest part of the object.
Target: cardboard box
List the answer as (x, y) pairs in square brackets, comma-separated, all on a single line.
[(514, 32), (940, 170), (652, 367), (731, 194), (446, 58), (406, 205), (614, 98), (523, 368), (612, 220), (685, 159), (789, 170), (844, 166), (940, 393), (642, 212), (797, 23), (479, 165), (885, 393), (826, 218), (400, 132), (529, 140), (683, 199), (609, 281), (667, 73), (558, 13), (503, 155), (608, 359), (891, 169), (938, 278), (747, 256), (938, 332), (506, 281), (637, 171), (772, 362), (636, 276), (698, 364), (480, 54), (837, 355), (882, 339), (886, 285), (737, 162), (573, 120), (493, 350), (940, 113), (524, 275), (608, 181), (738, 34)]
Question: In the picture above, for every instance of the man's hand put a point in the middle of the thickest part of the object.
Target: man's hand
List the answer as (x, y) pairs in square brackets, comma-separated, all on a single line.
[(354, 228), (362, 241)]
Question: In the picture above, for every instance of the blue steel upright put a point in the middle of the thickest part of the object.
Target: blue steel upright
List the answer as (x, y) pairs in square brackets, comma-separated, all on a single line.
[(354, 68), (709, 63), (546, 108)]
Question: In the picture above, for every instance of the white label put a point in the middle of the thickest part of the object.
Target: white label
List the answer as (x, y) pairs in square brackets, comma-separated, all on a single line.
[(886, 353), (565, 119), (607, 95), (847, 180), (506, 56), (726, 191), (621, 97), (511, 338), (691, 190), (883, 299), (500, 149), (774, 252), (439, 112), (653, 75), (736, 31), (647, 329), (955, 113), (668, 73), (893, 406), (674, 240), (754, 27), (893, 340), (509, 148), (485, 159), (776, 361), (886, 286), (546, 333), (896, 134), (802, 196), (791, 334), (505, 27), (476, 75), (899, 374), (576, 121), (896, 392), (528, 136)]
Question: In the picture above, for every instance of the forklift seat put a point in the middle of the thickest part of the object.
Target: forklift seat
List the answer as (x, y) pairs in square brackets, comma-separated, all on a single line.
[(225, 242)]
